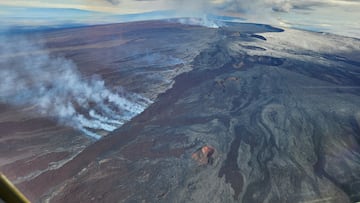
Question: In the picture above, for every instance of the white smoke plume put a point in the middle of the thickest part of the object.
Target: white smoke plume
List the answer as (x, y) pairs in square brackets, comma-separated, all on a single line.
[(195, 12), (55, 88)]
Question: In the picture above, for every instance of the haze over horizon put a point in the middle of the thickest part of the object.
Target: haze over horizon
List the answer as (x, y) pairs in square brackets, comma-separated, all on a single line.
[(335, 16)]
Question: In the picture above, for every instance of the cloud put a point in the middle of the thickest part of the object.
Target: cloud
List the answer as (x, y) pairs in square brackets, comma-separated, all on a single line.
[(290, 13), (344, 14), (113, 2), (251, 6), (281, 5)]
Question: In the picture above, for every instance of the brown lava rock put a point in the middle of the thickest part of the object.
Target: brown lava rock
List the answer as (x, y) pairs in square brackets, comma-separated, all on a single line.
[(204, 155)]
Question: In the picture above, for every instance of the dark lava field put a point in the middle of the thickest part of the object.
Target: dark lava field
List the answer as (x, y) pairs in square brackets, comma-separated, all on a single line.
[(243, 113)]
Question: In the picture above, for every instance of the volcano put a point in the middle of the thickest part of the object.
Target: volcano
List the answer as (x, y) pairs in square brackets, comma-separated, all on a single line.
[(242, 113)]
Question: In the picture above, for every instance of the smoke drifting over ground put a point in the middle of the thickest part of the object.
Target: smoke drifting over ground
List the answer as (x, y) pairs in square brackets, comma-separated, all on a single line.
[(55, 88)]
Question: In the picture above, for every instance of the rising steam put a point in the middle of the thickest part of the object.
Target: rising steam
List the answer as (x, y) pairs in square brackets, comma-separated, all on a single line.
[(55, 88)]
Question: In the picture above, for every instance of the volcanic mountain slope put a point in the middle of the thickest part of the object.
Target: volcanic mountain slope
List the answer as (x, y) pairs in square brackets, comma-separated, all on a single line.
[(141, 57), (275, 123)]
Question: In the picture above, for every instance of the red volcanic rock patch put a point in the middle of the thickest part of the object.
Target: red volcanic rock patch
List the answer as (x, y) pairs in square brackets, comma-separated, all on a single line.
[(204, 155)]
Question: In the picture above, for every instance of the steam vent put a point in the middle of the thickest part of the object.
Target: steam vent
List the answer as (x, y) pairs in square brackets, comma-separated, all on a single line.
[(204, 155)]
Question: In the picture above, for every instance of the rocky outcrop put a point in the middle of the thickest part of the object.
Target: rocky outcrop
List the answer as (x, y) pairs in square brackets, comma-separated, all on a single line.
[(204, 155)]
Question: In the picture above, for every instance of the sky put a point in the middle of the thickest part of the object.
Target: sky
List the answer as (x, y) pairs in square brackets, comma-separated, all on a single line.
[(334, 16)]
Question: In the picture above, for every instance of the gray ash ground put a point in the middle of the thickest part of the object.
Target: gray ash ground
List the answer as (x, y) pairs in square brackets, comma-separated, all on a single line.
[(284, 122)]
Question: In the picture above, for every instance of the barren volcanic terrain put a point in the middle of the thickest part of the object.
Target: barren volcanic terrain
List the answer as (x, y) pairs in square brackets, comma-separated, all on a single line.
[(243, 113), (142, 58)]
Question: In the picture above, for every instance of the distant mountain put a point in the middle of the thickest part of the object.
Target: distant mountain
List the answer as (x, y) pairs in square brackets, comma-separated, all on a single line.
[(25, 19)]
